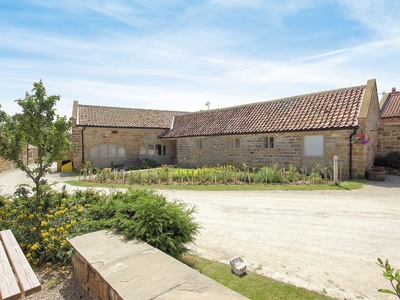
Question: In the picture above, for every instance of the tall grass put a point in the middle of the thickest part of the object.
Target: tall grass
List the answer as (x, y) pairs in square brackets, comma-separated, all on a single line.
[(167, 175)]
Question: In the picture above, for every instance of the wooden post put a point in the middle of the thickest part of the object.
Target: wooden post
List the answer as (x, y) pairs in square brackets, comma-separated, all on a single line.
[(336, 169)]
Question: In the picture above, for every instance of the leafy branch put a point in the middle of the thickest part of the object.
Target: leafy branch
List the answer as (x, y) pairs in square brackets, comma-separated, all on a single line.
[(394, 279)]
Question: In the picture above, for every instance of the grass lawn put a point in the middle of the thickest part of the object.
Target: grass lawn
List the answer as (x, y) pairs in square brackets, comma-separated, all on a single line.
[(252, 285), (344, 185)]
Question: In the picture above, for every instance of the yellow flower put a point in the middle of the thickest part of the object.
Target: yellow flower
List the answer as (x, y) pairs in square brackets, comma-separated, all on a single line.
[(28, 255), (51, 230), (33, 229), (73, 222), (43, 223), (60, 229), (39, 208), (64, 243), (35, 247), (80, 210), (31, 216)]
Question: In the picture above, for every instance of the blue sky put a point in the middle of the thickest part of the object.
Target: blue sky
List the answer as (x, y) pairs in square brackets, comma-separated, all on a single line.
[(176, 55)]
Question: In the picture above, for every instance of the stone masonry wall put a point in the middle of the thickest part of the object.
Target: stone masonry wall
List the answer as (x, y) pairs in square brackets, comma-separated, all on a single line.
[(388, 138), (368, 122), (5, 165), (130, 139), (288, 150)]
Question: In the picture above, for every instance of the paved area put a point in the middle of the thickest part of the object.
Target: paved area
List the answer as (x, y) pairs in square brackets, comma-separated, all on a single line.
[(326, 241)]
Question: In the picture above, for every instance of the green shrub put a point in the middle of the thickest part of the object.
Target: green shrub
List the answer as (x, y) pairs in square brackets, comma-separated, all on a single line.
[(41, 228), (393, 159), (168, 226), (380, 161)]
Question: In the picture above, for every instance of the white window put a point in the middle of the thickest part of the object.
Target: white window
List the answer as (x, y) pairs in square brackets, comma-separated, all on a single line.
[(121, 152), (269, 142), (314, 145), (161, 149), (93, 152), (150, 149), (143, 150), (113, 150), (103, 151)]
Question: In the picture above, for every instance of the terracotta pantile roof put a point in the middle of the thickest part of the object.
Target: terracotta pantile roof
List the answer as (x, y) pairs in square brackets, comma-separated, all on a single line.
[(391, 108), (324, 110), (104, 116)]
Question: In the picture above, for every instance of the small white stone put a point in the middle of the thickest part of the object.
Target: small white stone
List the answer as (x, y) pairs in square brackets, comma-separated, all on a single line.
[(238, 265)]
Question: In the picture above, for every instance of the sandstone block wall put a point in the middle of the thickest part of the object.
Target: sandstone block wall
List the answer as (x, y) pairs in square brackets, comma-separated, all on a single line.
[(130, 139), (288, 150), (388, 138), (5, 165)]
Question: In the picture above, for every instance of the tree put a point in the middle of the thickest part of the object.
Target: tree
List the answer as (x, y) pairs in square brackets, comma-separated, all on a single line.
[(36, 125)]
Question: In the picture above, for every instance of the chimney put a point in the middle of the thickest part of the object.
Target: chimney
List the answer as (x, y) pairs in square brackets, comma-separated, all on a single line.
[(393, 89)]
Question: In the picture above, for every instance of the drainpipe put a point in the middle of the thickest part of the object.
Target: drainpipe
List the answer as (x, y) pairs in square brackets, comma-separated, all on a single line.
[(351, 152), (83, 146)]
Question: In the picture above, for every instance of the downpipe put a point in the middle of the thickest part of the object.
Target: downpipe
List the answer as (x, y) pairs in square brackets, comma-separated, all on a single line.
[(351, 152)]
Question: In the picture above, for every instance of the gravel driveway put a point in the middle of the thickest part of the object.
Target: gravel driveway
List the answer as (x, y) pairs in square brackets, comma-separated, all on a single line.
[(326, 241)]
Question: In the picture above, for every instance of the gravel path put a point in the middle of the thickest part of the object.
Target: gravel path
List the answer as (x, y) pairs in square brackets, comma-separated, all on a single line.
[(326, 241)]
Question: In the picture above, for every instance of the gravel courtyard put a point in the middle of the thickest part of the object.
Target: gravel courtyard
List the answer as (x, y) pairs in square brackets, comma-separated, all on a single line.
[(326, 241)]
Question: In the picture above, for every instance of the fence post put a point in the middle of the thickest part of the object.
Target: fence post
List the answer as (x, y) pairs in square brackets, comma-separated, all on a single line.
[(336, 169)]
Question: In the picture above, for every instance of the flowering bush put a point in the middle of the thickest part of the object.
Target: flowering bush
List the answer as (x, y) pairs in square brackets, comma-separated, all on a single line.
[(361, 139), (41, 228)]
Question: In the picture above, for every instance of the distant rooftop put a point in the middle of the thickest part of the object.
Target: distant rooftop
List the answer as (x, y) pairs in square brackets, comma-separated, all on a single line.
[(391, 107)]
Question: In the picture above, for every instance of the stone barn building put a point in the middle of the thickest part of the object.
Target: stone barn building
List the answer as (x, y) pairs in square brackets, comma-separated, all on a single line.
[(301, 131)]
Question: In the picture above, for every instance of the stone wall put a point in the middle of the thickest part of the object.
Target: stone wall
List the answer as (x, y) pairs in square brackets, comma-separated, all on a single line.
[(5, 165), (288, 150), (368, 122), (388, 137), (127, 138)]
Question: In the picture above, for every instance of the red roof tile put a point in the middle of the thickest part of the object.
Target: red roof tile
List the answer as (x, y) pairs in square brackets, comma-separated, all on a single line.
[(391, 108), (324, 110), (104, 116)]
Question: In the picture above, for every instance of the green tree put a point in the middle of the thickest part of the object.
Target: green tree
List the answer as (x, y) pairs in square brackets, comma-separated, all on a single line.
[(36, 125)]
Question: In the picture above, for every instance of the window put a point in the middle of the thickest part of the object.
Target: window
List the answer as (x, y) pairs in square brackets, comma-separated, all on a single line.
[(103, 151), (121, 152), (150, 149), (269, 142), (160, 149), (199, 143), (112, 150), (93, 152), (314, 145), (106, 150), (233, 143), (142, 150)]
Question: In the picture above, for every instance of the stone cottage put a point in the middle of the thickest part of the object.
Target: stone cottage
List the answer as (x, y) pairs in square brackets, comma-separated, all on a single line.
[(300, 131), (389, 130), (113, 135)]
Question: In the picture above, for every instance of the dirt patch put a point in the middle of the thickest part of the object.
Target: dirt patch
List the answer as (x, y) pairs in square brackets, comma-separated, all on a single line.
[(58, 283)]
